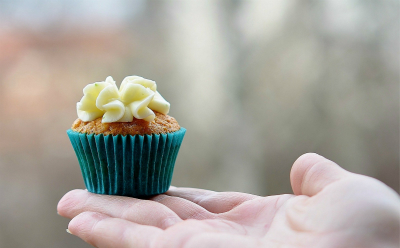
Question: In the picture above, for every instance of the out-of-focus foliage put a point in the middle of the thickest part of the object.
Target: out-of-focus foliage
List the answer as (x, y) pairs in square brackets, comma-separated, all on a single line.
[(255, 83)]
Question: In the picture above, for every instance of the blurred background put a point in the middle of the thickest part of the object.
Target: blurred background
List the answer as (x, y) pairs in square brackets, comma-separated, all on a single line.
[(255, 83)]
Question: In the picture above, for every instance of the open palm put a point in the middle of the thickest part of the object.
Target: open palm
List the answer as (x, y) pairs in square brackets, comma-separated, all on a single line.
[(330, 208)]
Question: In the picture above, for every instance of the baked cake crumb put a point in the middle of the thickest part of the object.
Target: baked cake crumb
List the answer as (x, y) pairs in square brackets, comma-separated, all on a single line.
[(161, 124)]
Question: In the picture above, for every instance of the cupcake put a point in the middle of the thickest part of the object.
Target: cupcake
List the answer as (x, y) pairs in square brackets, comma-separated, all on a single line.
[(125, 142)]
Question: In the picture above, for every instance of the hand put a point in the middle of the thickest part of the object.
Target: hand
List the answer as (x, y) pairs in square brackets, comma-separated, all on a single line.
[(331, 208)]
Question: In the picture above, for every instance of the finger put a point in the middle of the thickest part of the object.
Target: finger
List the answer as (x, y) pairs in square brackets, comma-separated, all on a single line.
[(215, 202), (101, 230), (143, 212), (185, 209), (311, 173)]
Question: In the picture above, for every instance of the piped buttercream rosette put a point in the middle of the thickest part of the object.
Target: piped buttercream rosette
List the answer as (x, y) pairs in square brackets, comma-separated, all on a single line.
[(137, 97)]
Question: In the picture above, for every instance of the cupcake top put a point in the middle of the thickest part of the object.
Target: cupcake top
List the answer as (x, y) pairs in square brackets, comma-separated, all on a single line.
[(137, 97), (135, 108)]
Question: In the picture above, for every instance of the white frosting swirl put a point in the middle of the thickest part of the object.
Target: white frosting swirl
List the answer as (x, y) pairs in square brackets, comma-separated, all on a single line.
[(137, 97)]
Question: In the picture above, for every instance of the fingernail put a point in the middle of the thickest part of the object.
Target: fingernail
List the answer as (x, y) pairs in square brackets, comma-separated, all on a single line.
[(172, 187), (68, 231), (86, 189)]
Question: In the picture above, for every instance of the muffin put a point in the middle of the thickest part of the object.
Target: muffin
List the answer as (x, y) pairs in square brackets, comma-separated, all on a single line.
[(125, 142)]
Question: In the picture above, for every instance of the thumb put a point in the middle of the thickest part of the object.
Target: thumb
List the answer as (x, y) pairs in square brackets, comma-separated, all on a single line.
[(311, 173)]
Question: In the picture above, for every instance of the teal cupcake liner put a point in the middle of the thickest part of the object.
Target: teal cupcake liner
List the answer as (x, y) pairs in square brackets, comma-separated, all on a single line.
[(131, 165)]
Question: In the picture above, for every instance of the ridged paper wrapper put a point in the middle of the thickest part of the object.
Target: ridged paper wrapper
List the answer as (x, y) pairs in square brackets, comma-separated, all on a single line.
[(131, 165)]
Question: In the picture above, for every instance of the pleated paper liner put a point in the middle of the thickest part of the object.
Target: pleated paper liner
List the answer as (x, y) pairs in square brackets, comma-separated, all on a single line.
[(131, 165)]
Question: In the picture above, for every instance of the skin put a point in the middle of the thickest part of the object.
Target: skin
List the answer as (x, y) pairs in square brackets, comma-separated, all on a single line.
[(331, 207)]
